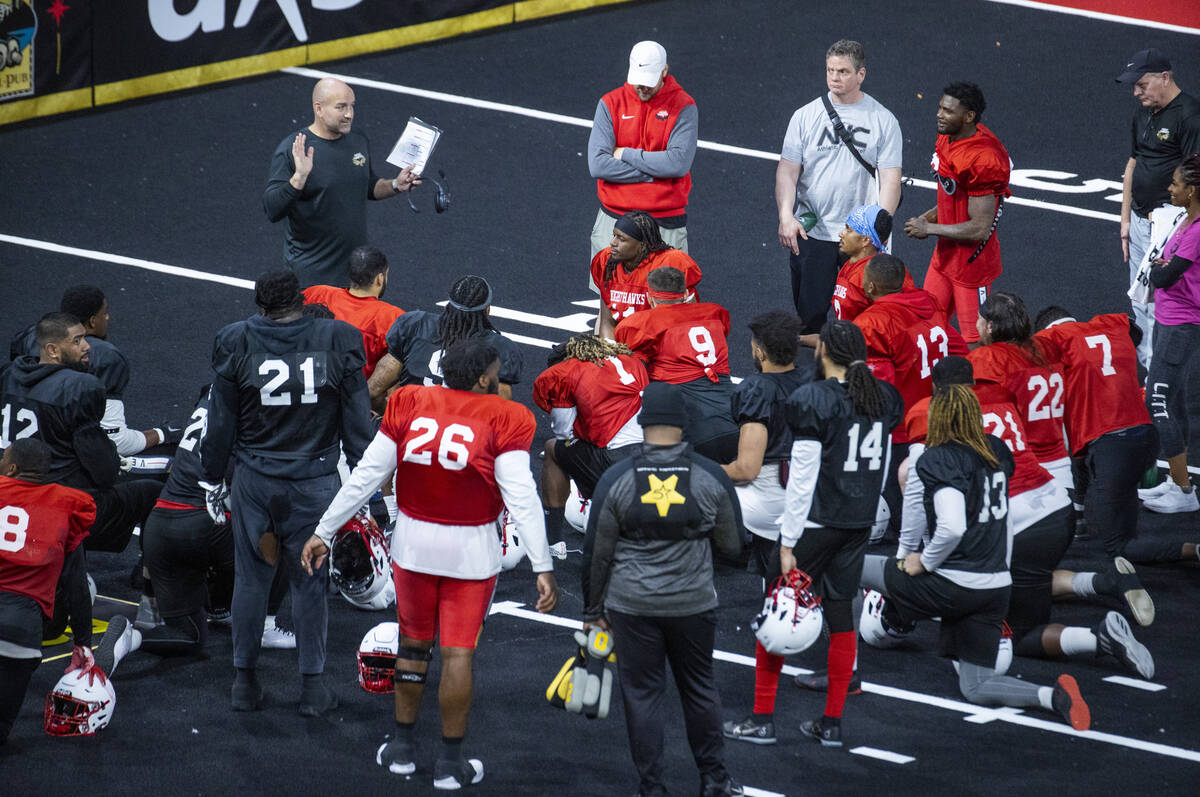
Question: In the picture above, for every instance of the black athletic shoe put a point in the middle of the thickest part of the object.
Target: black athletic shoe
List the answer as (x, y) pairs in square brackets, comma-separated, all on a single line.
[(722, 787), (397, 756), (1129, 587), (750, 730), (316, 698), (120, 638), (453, 775), (1069, 703), (248, 696), (828, 736), (819, 682), (1115, 637)]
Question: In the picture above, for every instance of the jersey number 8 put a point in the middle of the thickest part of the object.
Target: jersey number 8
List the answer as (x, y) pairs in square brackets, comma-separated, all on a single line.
[(14, 521)]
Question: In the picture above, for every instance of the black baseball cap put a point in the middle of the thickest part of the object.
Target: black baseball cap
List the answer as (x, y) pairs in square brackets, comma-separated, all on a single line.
[(662, 405), (1144, 61)]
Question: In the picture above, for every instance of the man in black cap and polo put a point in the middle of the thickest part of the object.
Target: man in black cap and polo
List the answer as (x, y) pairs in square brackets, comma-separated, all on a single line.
[(1166, 129), (648, 577)]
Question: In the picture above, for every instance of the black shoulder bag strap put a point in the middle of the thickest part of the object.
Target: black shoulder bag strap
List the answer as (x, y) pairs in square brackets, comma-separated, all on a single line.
[(844, 134)]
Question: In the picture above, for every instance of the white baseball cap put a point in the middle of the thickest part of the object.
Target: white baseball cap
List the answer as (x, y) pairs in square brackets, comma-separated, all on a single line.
[(646, 63)]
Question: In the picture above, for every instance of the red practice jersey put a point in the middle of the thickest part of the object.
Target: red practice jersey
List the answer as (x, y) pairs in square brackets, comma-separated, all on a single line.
[(679, 342), (447, 442), (625, 293), (1002, 419), (39, 525), (370, 316), (907, 334), (973, 166), (848, 297), (1036, 388), (605, 395), (1103, 393)]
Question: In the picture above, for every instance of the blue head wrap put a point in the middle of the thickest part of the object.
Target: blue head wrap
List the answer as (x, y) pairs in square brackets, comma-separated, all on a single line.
[(862, 221)]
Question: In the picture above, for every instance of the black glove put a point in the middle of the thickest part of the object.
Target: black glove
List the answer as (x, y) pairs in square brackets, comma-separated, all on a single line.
[(169, 433)]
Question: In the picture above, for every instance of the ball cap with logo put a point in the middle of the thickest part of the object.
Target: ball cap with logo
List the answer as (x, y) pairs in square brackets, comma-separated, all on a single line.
[(1144, 61), (646, 62)]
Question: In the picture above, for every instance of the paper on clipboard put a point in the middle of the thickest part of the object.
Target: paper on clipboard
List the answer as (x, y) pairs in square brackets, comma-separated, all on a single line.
[(415, 145)]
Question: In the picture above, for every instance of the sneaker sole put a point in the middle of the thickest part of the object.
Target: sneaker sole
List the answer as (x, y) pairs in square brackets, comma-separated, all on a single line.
[(750, 739), (1133, 654), (450, 782), (1173, 508), (1079, 716), (395, 768), (1141, 605), (818, 738)]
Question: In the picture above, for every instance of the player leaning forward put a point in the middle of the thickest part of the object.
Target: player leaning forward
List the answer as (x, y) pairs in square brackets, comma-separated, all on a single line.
[(461, 455)]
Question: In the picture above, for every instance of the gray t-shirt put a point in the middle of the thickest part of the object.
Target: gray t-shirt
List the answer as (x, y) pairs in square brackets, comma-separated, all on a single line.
[(832, 182)]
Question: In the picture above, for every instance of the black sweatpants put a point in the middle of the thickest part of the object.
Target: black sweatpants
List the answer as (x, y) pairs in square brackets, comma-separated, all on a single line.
[(644, 645), (814, 273), (118, 510)]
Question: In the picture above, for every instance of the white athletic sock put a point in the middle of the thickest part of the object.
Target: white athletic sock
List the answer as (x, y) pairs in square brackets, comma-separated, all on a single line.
[(270, 621), (1076, 640), (393, 511), (1083, 585), (1046, 697)]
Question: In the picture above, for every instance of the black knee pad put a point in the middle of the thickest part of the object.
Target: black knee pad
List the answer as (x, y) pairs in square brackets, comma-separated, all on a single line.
[(407, 653)]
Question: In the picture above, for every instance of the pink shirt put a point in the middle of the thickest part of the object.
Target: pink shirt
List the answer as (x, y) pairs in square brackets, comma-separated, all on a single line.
[(1180, 303)]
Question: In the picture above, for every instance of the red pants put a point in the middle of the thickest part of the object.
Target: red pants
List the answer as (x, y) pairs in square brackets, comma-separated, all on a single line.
[(958, 300)]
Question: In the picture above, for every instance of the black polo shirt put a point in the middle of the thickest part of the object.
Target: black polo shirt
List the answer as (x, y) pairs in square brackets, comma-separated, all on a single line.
[(1161, 140)]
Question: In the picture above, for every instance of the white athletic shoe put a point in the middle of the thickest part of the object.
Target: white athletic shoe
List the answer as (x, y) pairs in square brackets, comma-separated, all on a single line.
[(1157, 490), (1172, 500), (277, 638), (559, 550)]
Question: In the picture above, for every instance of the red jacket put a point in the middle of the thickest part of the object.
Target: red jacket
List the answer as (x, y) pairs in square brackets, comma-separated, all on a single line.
[(646, 126)]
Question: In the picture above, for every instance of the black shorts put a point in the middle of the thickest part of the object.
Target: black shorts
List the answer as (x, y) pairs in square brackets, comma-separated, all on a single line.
[(832, 558), (709, 411), (971, 618), (586, 462), (1036, 553), (20, 620), (180, 545)]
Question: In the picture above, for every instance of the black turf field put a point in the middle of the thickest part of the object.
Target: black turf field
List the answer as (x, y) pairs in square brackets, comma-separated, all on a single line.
[(177, 180)]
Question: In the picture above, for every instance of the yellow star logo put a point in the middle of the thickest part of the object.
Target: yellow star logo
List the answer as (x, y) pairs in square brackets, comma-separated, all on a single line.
[(662, 493)]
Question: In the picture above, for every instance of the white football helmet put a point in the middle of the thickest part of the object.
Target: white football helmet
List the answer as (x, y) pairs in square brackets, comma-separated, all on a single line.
[(871, 625), (883, 516), (79, 705), (511, 549), (577, 509), (377, 658), (791, 617), (359, 564)]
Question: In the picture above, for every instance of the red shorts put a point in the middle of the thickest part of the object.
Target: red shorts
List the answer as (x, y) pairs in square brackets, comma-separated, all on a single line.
[(958, 300), (451, 609)]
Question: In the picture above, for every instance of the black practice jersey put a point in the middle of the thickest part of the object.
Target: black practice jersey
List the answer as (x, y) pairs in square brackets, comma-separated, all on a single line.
[(285, 395), (761, 398), (984, 546), (61, 407), (415, 342), (104, 360), (186, 471), (854, 450), (1160, 141)]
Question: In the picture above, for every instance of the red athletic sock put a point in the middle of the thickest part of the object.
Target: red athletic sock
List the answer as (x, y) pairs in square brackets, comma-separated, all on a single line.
[(842, 649), (767, 667)]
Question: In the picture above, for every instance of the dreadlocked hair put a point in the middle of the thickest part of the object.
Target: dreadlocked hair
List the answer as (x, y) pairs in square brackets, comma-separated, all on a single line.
[(955, 417), (591, 348), (845, 345), (651, 238), (455, 324)]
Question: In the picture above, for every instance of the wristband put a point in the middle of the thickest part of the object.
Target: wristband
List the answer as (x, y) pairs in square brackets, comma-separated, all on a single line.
[(162, 436), (396, 185)]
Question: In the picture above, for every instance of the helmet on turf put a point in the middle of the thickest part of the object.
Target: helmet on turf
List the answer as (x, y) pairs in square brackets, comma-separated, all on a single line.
[(377, 658), (80, 704), (873, 629), (577, 508), (791, 617), (359, 564), (511, 549)]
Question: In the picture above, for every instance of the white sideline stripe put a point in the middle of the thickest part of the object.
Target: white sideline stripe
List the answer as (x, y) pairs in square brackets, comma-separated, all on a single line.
[(533, 113), (883, 755), (162, 268), (1136, 683), (1080, 12), (1004, 713), (753, 792), (1166, 465)]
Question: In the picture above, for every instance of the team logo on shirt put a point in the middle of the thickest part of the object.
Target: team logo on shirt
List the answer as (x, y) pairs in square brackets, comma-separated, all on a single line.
[(662, 494), (948, 184), (661, 115), (1163, 134), (359, 159)]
